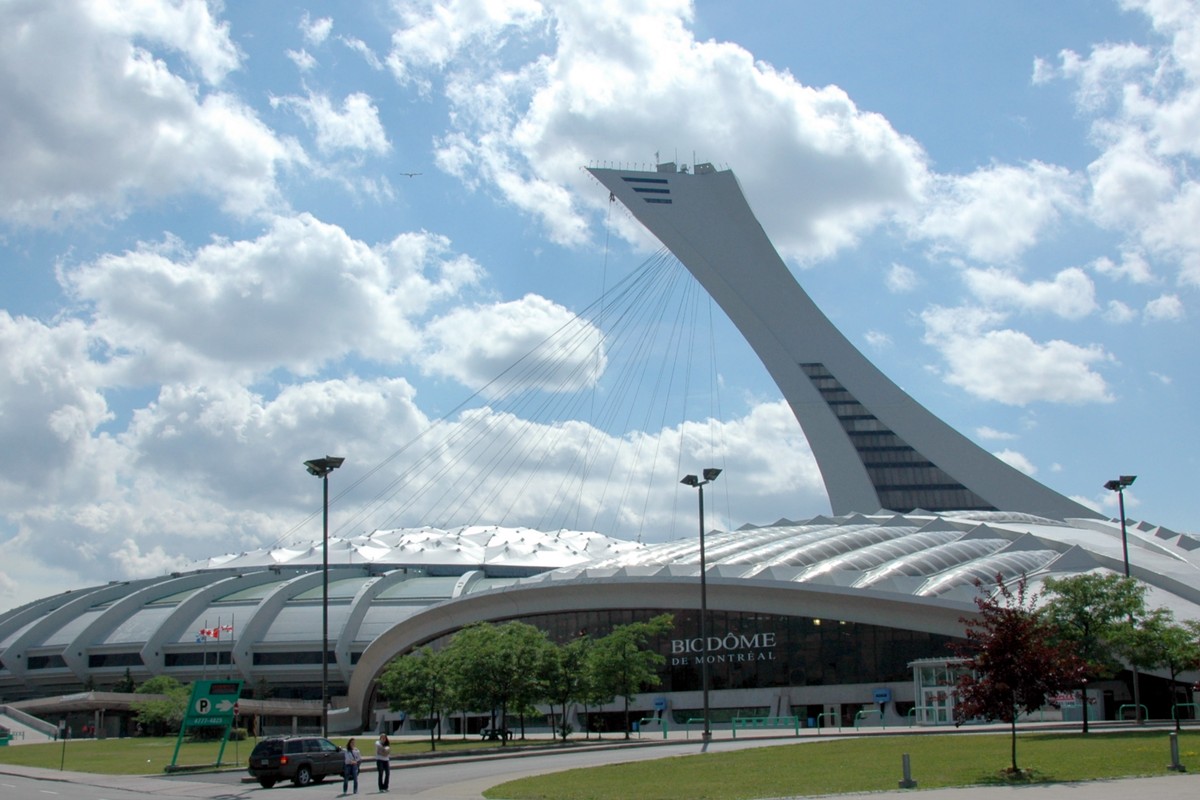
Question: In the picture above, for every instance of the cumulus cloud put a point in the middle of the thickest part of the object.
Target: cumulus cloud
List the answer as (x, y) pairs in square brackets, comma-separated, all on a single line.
[(1133, 267), (1165, 308), (315, 31), (1119, 312), (1017, 461), (66, 66), (1143, 103), (996, 213), (355, 126), (878, 340), (901, 278), (1008, 366), (548, 346), (1070, 295), (526, 129), (299, 296)]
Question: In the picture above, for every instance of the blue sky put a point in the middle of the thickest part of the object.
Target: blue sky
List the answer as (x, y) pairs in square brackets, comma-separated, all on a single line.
[(217, 267)]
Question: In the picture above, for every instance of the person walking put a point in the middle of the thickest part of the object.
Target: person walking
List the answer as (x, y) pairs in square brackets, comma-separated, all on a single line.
[(351, 758), (383, 764)]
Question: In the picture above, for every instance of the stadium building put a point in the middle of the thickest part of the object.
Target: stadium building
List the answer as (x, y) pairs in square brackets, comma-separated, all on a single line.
[(833, 620)]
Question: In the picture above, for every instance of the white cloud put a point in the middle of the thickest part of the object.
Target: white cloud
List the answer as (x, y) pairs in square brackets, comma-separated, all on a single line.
[(901, 278), (987, 432), (1007, 365), (1102, 74), (66, 67), (1133, 267), (364, 50), (301, 295), (527, 129), (878, 340), (1017, 461), (1119, 312), (315, 31), (433, 35), (355, 126), (1144, 106), (475, 345), (1070, 295), (996, 213), (304, 61), (1165, 308)]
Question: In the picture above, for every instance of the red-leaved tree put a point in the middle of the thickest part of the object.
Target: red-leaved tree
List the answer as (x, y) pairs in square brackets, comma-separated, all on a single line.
[(1013, 662)]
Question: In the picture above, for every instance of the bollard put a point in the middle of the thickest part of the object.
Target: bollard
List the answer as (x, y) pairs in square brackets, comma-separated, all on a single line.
[(1175, 766), (907, 782)]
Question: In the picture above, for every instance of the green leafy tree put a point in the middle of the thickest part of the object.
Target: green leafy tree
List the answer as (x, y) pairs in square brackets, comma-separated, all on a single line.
[(497, 667), (622, 664), (1156, 640), (164, 705), (566, 678), (419, 681), (1013, 661), (126, 685), (1092, 614)]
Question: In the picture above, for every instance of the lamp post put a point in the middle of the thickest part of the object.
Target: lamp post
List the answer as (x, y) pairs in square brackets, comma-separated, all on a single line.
[(1119, 485), (710, 475), (320, 468)]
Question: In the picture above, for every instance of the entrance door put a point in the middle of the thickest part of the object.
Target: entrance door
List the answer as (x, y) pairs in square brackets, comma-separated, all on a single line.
[(936, 707)]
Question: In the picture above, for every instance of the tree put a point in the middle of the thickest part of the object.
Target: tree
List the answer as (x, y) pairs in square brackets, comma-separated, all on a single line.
[(622, 664), (164, 706), (566, 678), (496, 667), (1090, 614), (1158, 641), (1012, 659), (126, 684), (418, 681)]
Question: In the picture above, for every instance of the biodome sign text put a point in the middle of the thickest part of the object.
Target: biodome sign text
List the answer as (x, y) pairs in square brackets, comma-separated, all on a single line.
[(730, 648)]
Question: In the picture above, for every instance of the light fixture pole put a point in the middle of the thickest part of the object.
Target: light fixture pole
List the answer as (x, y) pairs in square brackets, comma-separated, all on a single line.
[(1119, 485), (710, 475), (321, 467)]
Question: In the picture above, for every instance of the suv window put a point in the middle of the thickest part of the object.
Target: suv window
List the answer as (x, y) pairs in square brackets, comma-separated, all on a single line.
[(328, 746), (267, 748), (294, 746)]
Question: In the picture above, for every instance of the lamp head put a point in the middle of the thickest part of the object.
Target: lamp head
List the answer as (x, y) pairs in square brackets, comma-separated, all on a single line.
[(1120, 483), (690, 480), (320, 467), (711, 473)]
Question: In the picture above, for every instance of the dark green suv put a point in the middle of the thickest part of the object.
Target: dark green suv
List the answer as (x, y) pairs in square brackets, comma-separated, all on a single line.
[(299, 759)]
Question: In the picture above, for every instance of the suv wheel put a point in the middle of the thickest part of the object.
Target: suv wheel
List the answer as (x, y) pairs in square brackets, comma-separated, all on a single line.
[(266, 783), (303, 776)]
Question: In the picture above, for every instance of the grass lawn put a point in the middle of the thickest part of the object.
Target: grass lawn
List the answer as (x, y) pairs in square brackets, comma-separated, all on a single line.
[(863, 765), (149, 755)]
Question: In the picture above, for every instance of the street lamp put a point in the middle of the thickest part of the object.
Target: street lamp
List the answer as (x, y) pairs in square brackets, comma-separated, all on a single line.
[(1119, 485), (320, 468), (710, 475)]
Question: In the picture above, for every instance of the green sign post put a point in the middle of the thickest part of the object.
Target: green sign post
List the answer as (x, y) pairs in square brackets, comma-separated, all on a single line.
[(213, 704)]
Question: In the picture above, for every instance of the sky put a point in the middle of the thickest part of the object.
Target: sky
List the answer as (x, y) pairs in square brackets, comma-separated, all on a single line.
[(238, 236)]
